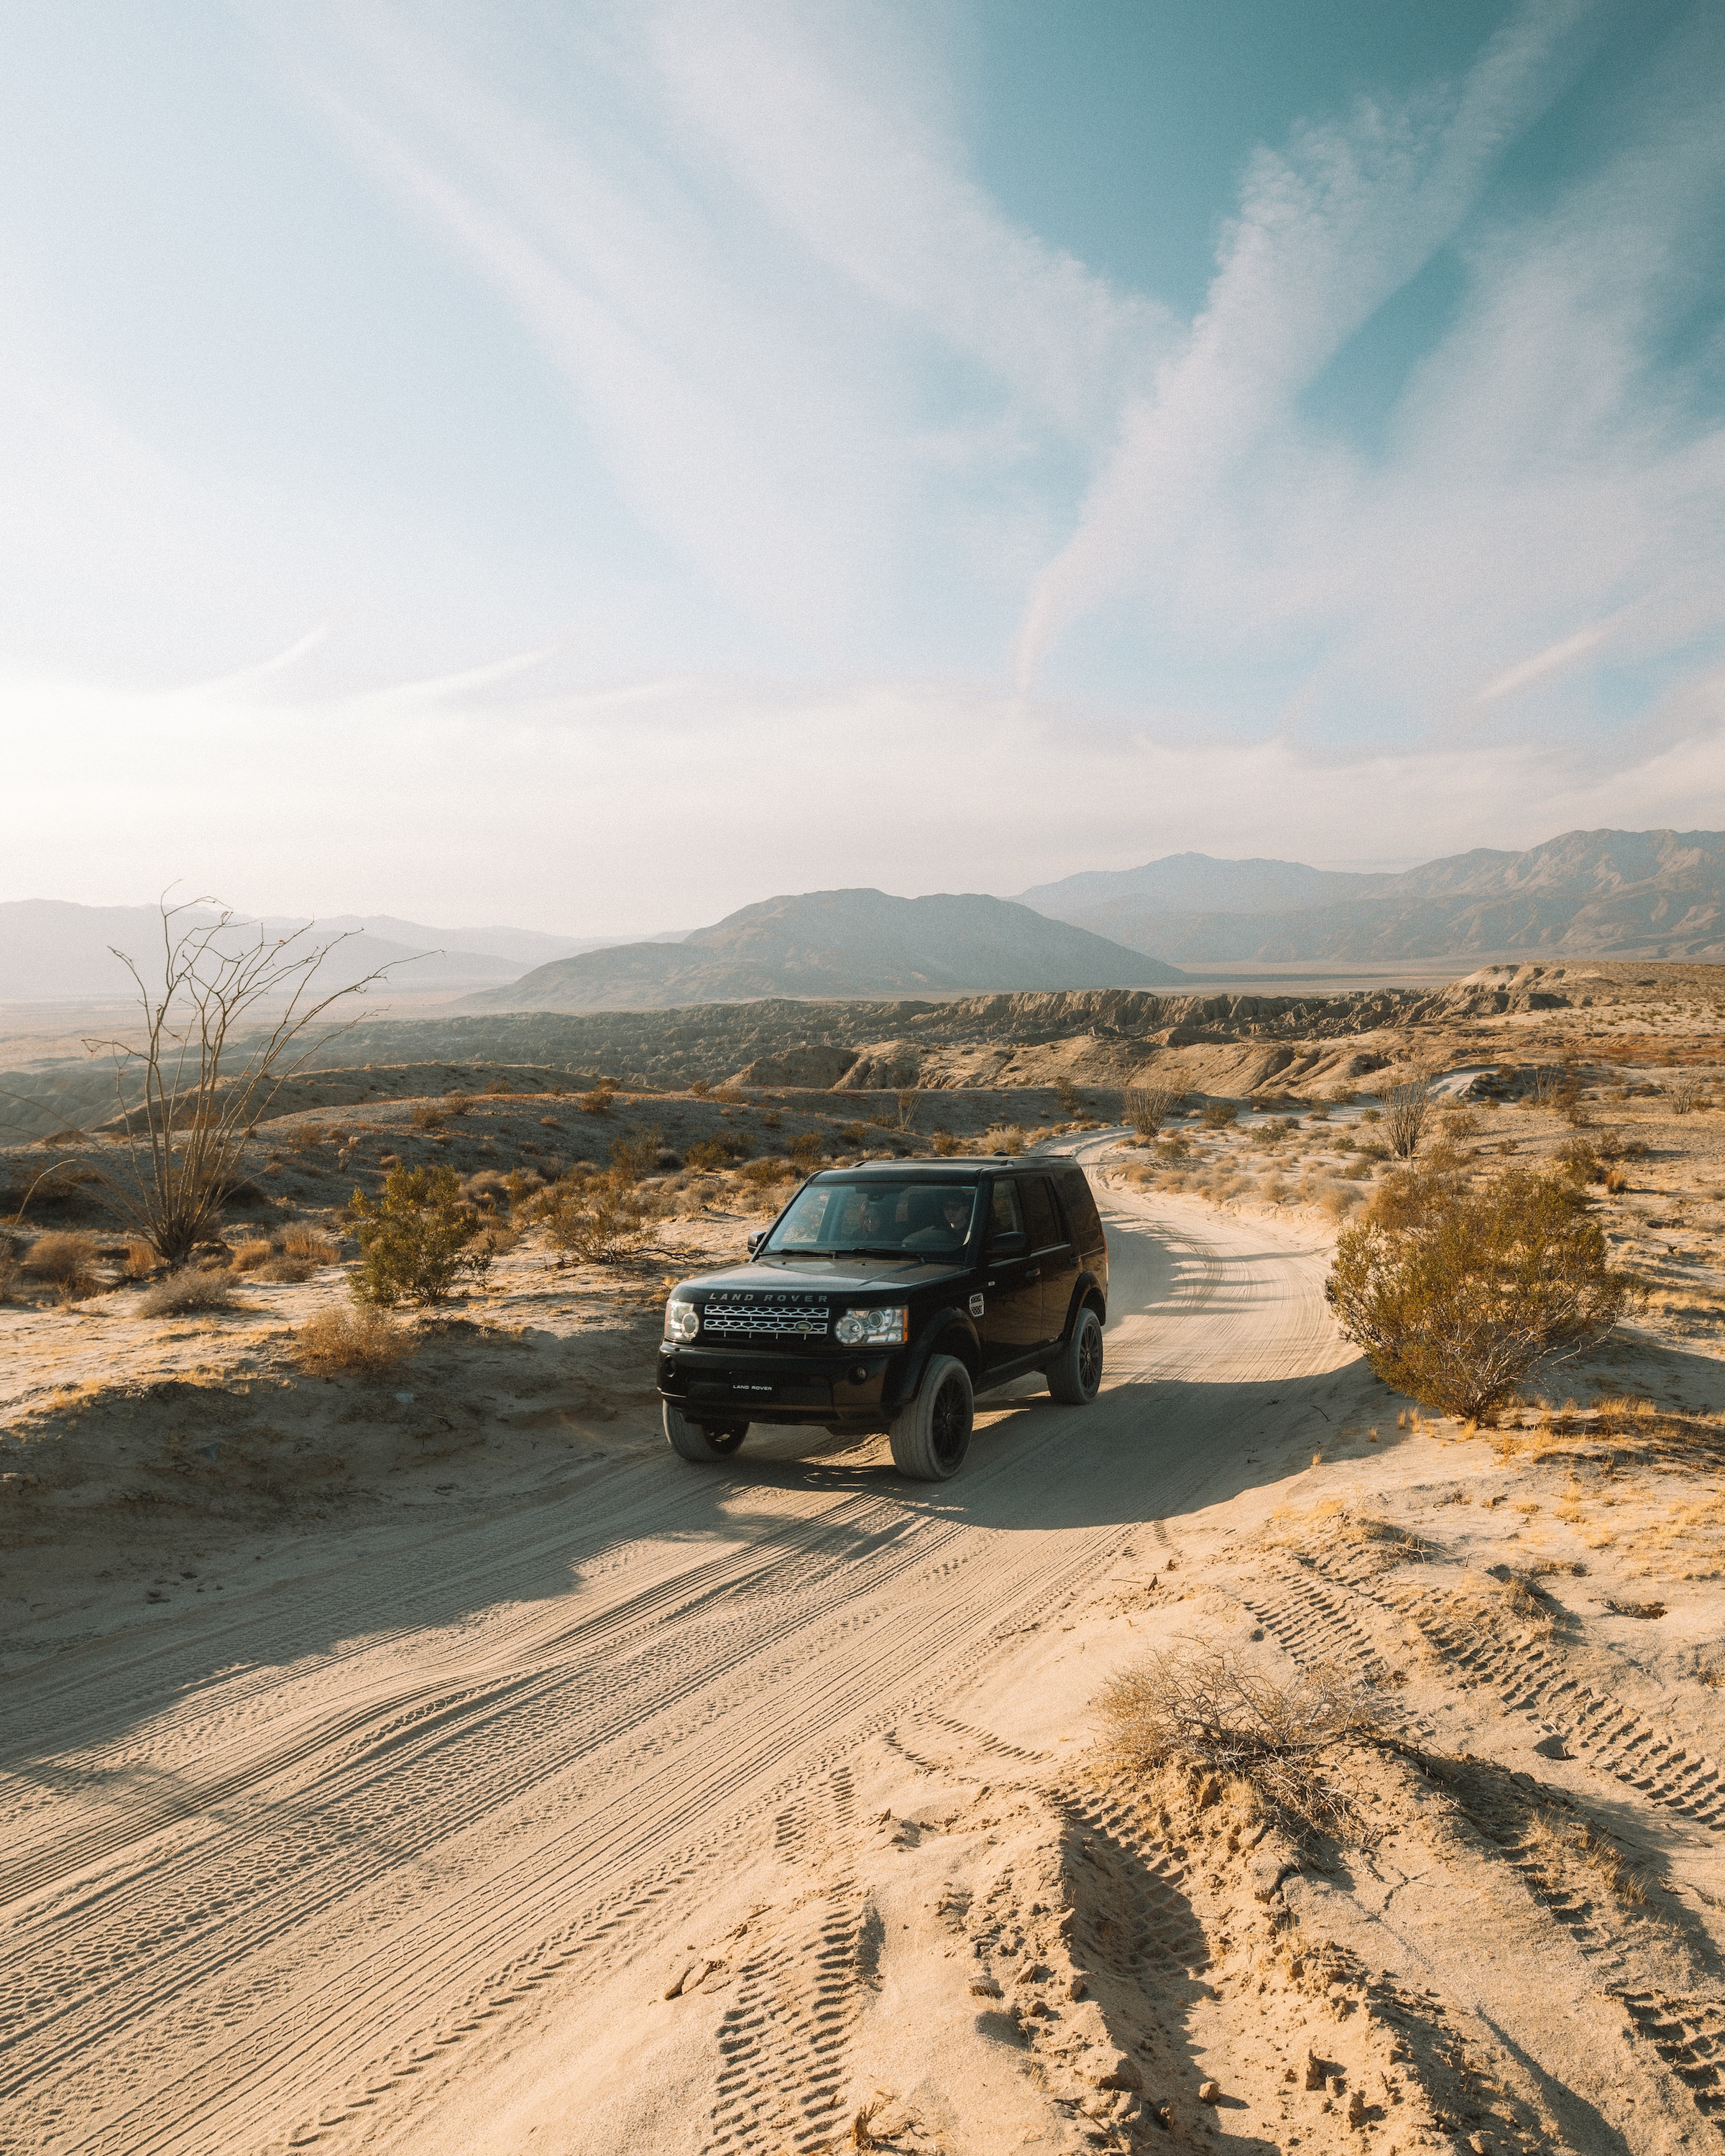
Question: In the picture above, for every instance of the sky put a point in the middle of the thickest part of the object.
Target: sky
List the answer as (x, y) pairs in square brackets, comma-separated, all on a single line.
[(596, 466)]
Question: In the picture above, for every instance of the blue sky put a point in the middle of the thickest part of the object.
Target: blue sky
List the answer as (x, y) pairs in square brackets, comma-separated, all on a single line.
[(595, 465)]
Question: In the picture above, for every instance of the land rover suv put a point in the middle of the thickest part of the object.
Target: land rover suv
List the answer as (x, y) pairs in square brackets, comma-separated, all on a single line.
[(885, 1297)]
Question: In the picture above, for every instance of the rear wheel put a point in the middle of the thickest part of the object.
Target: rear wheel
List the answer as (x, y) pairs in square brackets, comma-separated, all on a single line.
[(931, 1436), (701, 1441), (1075, 1377)]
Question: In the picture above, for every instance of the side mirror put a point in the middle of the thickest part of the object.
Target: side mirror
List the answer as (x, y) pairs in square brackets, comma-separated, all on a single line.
[(756, 1239), (1012, 1245)]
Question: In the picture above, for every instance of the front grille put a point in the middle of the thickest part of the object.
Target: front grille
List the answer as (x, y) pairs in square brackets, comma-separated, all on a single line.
[(758, 1318)]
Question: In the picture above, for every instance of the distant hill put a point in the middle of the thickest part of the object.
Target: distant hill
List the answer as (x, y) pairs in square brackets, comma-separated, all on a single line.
[(1182, 884), (51, 949), (838, 944), (1587, 894)]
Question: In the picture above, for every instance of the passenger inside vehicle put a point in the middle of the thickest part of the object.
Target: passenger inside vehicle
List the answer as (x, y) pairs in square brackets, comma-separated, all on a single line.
[(950, 1227)]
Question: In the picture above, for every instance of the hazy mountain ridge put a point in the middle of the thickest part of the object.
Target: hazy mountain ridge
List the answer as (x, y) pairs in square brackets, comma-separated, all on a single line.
[(1585, 893), (838, 943)]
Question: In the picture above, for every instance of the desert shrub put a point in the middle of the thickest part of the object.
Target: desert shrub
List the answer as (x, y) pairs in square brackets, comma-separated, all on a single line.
[(945, 1145), (760, 1173), (1072, 1101), (457, 1104), (187, 1290), (549, 1123), (1462, 1123), (496, 1085), (310, 1242), (1146, 1108), (1169, 1151), (1317, 1111), (60, 1257), (1579, 1161), (807, 1148), (1012, 1144), (286, 1271), (140, 1259), (248, 1257), (854, 1135), (1406, 1110), (598, 1101), (1218, 1115), (359, 1341), (599, 1220), (635, 1157), (707, 1156), (430, 1115), (699, 1087), (905, 1101), (771, 1119), (414, 1240), (1616, 1181), (1458, 1303), (305, 1137), (1686, 1095), (1212, 1711)]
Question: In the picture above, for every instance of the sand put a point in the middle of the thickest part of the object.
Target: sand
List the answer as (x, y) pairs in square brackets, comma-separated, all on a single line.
[(560, 1797)]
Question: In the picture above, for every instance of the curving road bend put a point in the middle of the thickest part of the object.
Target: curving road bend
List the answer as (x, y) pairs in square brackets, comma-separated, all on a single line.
[(268, 1878)]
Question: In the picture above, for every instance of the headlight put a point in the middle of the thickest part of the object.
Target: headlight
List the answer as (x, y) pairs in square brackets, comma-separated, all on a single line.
[(682, 1320), (873, 1329)]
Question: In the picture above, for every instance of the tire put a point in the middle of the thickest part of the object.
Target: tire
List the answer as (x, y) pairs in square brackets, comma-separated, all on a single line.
[(1075, 1377), (931, 1435), (702, 1441)]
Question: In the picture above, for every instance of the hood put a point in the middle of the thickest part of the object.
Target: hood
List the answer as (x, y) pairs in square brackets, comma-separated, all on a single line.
[(802, 1276)]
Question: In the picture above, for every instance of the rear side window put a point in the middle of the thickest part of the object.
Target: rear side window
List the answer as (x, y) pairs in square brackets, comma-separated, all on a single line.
[(1080, 1208), (1004, 1217), (1041, 1221)]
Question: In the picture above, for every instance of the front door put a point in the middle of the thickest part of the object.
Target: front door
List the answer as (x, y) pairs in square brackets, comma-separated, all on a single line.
[(1011, 1323)]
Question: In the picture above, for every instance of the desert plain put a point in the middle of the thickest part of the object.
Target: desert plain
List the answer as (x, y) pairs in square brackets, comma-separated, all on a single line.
[(424, 1759)]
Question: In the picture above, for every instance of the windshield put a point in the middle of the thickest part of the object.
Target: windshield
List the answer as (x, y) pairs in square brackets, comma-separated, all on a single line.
[(878, 1217)]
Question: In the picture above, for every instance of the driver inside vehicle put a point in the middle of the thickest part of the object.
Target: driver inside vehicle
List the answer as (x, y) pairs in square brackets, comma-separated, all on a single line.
[(950, 1227)]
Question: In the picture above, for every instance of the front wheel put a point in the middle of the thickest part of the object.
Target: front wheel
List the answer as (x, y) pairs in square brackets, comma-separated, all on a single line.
[(1075, 1377), (698, 1441), (931, 1436)]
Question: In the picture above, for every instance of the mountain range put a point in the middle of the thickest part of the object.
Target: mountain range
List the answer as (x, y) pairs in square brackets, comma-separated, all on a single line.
[(838, 944), (1587, 894)]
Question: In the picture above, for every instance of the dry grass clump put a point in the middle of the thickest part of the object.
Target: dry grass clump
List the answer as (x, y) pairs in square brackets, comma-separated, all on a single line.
[(1558, 1842), (248, 1257), (187, 1290), (430, 1115), (61, 1257), (359, 1341), (1217, 1712), (1340, 1528)]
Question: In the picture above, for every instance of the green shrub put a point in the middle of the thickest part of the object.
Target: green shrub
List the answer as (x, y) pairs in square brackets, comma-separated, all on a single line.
[(1458, 1301), (415, 1240)]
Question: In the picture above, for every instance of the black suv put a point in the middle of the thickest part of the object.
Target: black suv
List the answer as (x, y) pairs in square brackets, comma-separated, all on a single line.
[(883, 1298)]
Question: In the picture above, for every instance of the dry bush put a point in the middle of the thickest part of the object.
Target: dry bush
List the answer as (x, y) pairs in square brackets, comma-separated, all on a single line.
[(599, 1101), (430, 1115), (633, 1157), (1072, 1101), (599, 1220), (1336, 1201), (808, 1148), (1216, 1713), (187, 1290), (1146, 1108), (1580, 1161), (945, 1145), (1462, 1123), (1686, 1095), (760, 1173), (246, 1257), (310, 1242), (907, 1099), (1012, 1142), (60, 1257), (1218, 1115), (457, 1104), (140, 1261), (549, 1123), (708, 1156), (361, 1341), (414, 1240), (1458, 1306), (771, 1119), (1406, 1110)]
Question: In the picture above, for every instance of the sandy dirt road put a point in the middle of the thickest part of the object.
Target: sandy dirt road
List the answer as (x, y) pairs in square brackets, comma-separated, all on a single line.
[(346, 1860)]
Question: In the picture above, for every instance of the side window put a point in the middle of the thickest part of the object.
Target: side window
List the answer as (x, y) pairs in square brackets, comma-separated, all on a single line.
[(1080, 1210), (1041, 1221), (1004, 1217)]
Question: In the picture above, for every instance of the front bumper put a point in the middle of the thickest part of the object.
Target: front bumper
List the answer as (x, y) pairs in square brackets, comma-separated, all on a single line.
[(756, 1385)]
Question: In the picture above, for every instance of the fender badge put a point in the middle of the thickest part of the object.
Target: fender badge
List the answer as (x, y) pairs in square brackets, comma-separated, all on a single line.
[(976, 1306)]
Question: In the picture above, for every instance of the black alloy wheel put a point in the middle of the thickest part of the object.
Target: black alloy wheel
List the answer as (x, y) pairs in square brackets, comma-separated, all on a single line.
[(724, 1438), (949, 1423), (1089, 1357)]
